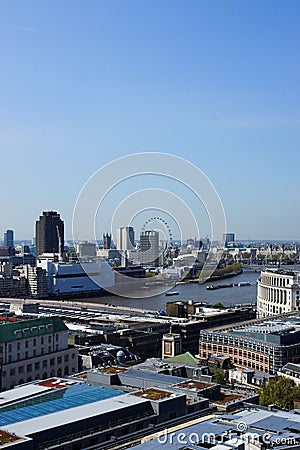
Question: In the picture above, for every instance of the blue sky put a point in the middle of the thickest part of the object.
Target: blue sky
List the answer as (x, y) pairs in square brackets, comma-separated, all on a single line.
[(215, 82)]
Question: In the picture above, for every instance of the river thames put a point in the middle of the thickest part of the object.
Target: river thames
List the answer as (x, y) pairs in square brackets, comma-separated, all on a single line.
[(192, 291)]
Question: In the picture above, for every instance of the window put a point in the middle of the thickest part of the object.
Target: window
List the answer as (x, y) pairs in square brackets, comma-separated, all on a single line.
[(26, 344), (59, 360), (66, 358), (37, 365), (45, 363), (73, 355), (56, 337), (9, 347), (21, 369), (26, 355), (49, 339), (18, 356), (49, 349), (34, 342), (42, 340), (52, 362), (18, 345), (12, 372), (29, 367), (34, 352), (1, 349)]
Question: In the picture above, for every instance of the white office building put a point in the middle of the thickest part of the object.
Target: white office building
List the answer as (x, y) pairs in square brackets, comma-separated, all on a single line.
[(278, 292), (125, 238), (87, 277)]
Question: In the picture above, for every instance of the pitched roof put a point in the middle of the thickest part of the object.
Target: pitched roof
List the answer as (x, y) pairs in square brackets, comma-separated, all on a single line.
[(13, 331), (184, 358)]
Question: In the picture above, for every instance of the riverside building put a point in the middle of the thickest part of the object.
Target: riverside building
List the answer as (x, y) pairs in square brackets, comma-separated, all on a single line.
[(278, 292)]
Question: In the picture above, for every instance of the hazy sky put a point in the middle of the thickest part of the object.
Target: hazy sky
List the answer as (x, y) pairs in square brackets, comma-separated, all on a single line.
[(215, 82)]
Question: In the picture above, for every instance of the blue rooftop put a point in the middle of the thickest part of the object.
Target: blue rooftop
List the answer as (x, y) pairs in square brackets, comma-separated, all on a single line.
[(54, 401)]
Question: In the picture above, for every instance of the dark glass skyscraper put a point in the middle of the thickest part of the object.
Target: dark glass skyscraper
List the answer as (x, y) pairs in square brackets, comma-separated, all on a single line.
[(49, 232), (9, 238)]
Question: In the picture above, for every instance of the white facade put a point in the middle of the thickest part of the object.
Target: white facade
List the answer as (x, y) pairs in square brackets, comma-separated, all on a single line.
[(76, 278), (278, 292), (125, 238)]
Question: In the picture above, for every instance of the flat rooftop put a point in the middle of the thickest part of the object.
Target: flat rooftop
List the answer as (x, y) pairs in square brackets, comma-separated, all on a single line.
[(28, 426), (112, 370), (199, 385), (59, 398), (153, 376), (153, 394)]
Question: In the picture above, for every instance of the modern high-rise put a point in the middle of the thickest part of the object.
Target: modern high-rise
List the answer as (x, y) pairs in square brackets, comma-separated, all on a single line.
[(49, 233), (228, 238), (125, 238), (9, 238), (149, 248)]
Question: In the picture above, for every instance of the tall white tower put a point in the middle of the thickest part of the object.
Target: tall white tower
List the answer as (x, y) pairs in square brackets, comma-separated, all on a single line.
[(125, 238)]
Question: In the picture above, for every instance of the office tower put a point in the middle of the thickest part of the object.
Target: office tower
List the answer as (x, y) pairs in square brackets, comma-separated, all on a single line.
[(228, 238), (125, 238), (106, 241), (49, 234), (149, 249), (9, 238)]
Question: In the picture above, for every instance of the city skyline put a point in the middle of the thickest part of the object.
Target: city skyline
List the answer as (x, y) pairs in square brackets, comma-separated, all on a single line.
[(214, 83)]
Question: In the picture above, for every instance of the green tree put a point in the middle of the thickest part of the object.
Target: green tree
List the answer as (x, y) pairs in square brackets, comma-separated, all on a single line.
[(279, 391), (219, 378)]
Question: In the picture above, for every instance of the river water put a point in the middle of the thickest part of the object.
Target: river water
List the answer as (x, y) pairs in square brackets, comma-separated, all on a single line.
[(193, 291)]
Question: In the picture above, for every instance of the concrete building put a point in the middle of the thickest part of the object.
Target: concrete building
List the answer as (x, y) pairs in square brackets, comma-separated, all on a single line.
[(66, 279), (69, 414), (264, 346), (37, 281), (291, 371), (150, 255), (278, 292), (49, 234), (125, 238), (34, 349), (86, 250), (171, 345)]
